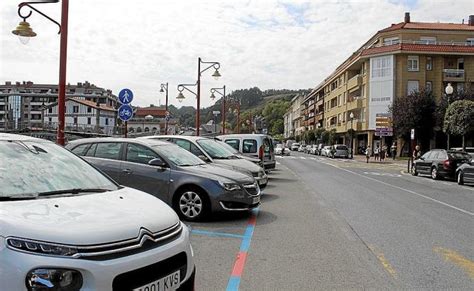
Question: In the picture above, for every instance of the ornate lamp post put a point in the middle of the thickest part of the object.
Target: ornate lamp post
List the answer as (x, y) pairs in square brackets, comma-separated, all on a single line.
[(164, 88), (216, 75), (24, 31), (449, 91), (351, 116), (217, 90)]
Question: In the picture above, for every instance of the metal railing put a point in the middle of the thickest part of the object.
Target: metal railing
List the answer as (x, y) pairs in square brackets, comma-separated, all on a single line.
[(453, 73), (436, 42)]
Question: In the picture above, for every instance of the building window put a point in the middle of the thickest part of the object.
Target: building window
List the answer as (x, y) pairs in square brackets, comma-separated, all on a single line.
[(429, 86), (381, 67), (75, 109), (75, 120), (50, 119), (89, 109), (89, 120), (412, 86), (429, 64), (50, 110), (460, 64), (428, 40), (391, 40), (413, 64), (459, 87), (107, 122), (470, 41)]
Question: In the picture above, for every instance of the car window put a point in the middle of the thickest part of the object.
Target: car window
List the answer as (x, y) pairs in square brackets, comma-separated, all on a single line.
[(81, 149), (427, 155), (183, 143), (442, 155), (140, 154), (341, 148), (228, 147), (214, 149), (196, 151), (460, 156), (233, 143), (177, 155), (249, 146), (108, 150), (267, 145), (31, 167), (91, 151)]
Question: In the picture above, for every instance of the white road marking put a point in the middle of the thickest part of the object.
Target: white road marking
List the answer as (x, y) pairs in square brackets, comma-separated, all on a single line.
[(278, 163), (303, 158), (406, 190), (382, 174)]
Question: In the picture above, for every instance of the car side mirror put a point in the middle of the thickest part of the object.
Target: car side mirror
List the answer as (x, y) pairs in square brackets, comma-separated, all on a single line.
[(157, 163), (421, 158)]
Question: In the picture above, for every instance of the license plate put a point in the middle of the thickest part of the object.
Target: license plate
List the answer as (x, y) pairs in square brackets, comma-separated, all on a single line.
[(169, 282), (256, 200)]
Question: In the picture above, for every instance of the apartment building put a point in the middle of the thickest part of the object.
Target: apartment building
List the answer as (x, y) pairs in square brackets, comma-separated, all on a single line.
[(396, 61), (294, 123), (23, 104)]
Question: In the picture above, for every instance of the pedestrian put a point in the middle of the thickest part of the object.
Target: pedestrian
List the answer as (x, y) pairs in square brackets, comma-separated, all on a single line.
[(383, 153), (416, 152), (393, 150), (368, 153), (376, 153)]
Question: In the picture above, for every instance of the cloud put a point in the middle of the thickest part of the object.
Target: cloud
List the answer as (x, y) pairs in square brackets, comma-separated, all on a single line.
[(265, 43)]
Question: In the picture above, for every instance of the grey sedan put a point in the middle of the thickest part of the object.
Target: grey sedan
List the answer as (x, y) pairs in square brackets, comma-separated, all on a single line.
[(192, 187)]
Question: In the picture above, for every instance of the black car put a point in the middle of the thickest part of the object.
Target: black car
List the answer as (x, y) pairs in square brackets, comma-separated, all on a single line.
[(439, 163), (465, 173)]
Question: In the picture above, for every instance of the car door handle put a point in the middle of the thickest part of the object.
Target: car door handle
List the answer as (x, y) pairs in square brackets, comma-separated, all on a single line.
[(127, 171)]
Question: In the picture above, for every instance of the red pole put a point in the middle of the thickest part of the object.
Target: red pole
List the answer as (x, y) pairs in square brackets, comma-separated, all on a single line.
[(198, 96), (223, 113), (62, 72)]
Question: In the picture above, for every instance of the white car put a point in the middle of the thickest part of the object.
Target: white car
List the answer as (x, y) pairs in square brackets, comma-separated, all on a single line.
[(66, 226), (281, 150), (295, 146), (326, 151)]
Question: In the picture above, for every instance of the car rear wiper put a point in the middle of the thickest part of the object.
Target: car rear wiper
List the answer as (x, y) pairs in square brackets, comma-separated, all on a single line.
[(72, 191)]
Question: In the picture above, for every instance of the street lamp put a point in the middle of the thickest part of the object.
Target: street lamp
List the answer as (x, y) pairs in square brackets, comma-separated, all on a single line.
[(164, 88), (449, 91), (217, 90), (351, 116), (23, 30), (180, 97), (216, 75)]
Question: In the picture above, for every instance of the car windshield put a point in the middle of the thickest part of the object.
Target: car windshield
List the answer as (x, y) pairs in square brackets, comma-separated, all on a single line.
[(228, 147), (214, 149), (341, 148), (178, 156), (459, 155), (32, 168)]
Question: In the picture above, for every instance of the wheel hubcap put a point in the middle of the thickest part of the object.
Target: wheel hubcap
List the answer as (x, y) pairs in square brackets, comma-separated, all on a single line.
[(433, 173), (190, 204)]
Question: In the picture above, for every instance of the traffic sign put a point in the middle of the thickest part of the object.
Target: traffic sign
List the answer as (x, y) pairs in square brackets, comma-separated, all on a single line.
[(125, 112), (412, 134), (125, 96)]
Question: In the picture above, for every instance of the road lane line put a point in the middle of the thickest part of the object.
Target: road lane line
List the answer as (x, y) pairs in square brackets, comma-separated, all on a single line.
[(216, 234), (386, 265), (238, 269), (455, 258), (406, 190)]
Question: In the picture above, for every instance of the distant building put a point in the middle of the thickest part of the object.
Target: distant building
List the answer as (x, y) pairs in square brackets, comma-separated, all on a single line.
[(151, 120), (293, 124), (23, 104), (83, 116)]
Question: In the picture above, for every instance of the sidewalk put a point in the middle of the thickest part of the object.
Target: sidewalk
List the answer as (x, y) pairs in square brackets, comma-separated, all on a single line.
[(388, 161)]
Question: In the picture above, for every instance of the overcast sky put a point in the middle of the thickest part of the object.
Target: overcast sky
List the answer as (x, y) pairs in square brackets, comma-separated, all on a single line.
[(139, 44)]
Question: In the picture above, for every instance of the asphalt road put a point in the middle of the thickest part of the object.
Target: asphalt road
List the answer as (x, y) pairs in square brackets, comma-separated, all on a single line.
[(342, 224)]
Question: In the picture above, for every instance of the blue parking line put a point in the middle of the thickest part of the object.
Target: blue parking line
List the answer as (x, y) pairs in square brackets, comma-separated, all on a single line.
[(233, 284), (217, 234)]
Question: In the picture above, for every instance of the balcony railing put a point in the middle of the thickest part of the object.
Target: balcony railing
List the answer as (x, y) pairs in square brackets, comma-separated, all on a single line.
[(354, 82), (436, 42), (453, 75)]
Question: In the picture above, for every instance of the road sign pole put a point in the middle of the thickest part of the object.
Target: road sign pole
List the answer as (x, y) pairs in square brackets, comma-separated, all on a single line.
[(125, 129)]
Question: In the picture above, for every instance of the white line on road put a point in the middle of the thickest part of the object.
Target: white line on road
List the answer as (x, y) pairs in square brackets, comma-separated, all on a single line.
[(303, 158), (406, 190)]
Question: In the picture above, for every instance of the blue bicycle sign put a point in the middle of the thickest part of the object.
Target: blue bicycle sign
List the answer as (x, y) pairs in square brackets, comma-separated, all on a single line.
[(125, 112)]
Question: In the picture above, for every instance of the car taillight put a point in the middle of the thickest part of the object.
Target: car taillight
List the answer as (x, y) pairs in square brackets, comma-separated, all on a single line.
[(260, 152), (447, 164)]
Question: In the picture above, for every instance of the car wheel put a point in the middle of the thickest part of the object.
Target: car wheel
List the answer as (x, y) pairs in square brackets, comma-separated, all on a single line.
[(460, 178), (191, 205), (434, 173)]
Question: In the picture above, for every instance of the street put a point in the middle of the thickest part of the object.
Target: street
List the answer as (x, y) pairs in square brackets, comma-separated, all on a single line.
[(340, 224)]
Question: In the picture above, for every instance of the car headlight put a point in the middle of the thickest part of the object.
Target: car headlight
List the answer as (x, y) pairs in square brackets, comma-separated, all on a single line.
[(53, 279), (41, 248), (229, 186)]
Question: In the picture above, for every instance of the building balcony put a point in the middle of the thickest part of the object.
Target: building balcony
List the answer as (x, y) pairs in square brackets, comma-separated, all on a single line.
[(355, 103), (354, 82), (453, 75)]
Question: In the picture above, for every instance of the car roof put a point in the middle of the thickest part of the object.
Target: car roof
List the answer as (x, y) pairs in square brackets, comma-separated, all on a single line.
[(186, 137), (148, 142), (244, 135), (19, 137)]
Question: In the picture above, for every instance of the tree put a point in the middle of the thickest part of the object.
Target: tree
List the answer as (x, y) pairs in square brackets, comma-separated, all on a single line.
[(443, 104), (311, 136), (332, 136), (459, 119), (414, 111)]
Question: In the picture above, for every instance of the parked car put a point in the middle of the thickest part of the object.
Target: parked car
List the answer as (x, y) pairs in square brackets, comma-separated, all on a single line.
[(440, 163), (167, 171), (326, 151), (465, 173), (239, 154), (469, 150), (339, 151), (295, 146), (319, 149), (211, 151), (313, 150), (307, 149), (301, 148), (281, 150), (254, 145), (66, 226)]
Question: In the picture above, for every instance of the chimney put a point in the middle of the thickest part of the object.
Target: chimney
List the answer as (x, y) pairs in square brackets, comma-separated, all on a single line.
[(407, 17), (471, 20)]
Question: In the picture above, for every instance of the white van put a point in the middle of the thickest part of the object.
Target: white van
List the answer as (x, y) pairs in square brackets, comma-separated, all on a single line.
[(66, 226)]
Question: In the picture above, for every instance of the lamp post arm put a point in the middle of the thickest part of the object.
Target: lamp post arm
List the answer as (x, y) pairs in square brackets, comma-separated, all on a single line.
[(27, 4), (215, 65), (182, 87)]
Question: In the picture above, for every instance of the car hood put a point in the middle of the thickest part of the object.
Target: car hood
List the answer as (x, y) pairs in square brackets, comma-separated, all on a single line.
[(86, 219), (216, 172), (240, 165)]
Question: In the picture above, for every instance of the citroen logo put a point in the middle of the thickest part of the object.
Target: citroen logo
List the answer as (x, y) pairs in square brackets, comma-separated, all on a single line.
[(144, 234)]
